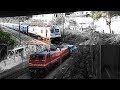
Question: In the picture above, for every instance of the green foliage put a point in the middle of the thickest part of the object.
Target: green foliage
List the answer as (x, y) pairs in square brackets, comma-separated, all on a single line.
[(6, 38), (95, 15), (98, 14)]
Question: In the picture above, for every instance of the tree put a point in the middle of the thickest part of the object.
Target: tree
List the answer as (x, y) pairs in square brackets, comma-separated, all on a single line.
[(6, 38), (105, 14)]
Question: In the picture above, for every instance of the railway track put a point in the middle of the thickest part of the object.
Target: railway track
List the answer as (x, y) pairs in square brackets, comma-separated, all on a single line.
[(57, 68), (66, 71), (24, 76), (15, 71), (16, 74)]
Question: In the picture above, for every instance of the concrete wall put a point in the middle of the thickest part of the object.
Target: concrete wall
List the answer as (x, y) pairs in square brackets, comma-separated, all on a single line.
[(110, 61)]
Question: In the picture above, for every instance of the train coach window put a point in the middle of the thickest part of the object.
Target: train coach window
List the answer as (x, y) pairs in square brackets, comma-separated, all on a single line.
[(37, 57)]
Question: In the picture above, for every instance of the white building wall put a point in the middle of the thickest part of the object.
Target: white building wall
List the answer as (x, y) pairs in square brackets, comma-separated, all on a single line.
[(45, 17)]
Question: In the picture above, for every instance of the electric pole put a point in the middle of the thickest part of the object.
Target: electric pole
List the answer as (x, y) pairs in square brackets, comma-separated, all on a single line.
[(19, 33), (63, 24)]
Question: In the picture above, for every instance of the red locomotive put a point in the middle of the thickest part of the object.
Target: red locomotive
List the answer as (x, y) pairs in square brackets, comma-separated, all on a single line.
[(44, 59)]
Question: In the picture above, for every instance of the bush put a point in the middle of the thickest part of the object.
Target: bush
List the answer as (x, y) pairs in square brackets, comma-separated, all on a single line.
[(6, 38)]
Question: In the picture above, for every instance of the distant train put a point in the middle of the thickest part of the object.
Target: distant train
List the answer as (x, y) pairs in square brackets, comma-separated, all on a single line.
[(46, 33)]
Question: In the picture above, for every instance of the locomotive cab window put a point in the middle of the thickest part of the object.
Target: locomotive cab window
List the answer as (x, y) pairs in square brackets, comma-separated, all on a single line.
[(37, 57), (40, 57), (33, 57), (52, 30)]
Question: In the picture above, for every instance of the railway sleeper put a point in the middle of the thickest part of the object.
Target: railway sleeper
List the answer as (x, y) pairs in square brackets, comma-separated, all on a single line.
[(38, 72)]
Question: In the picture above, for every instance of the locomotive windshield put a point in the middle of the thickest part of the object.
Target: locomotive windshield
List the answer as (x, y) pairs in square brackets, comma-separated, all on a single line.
[(52, 30), (36, 57), (56, 30)]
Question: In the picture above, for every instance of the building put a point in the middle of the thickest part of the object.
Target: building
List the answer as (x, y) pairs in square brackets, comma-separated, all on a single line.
[(79, 13), (46, 18), (87, 12)]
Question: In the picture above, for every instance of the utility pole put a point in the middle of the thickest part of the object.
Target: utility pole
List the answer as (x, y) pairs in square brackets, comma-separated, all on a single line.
[(63, 25), (19, 33)]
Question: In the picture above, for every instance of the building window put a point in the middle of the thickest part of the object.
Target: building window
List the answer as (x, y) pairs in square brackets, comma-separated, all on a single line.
[(41, 31), (55, 15)]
